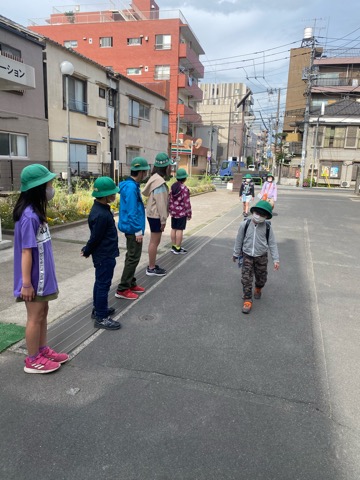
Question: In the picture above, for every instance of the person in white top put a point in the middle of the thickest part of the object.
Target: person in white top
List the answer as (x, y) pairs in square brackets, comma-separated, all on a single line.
[(269, 190)]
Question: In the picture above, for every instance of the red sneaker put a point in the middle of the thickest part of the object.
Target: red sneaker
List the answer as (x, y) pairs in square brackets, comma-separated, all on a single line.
[(137, 289), (54, 356), (40, 364), (127, 294)]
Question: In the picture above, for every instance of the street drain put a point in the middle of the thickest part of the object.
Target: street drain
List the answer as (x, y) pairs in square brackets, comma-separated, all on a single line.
[(146, 318)]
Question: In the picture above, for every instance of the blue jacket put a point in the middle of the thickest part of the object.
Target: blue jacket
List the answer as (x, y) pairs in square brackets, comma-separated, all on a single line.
[(131, 211), (103, 242)]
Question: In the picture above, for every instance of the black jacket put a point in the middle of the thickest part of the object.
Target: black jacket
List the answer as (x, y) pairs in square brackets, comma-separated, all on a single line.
[(103, 241)]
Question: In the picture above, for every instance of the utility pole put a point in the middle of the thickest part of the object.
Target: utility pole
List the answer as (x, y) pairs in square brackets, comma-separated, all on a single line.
[(276, 134), (309, 41), (242, 104)]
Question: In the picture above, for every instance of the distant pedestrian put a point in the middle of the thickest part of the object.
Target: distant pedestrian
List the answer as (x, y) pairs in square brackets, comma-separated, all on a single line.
[(157, 208), (132, 224), (34, 267), (180, 210), (247, 193), (255, 237), (103, 247), (269, 190)]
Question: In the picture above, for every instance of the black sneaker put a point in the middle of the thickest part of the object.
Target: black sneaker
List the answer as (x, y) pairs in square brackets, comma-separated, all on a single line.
[(107, 323), (155, 272), (110, 311), (182, 251), (175, 251)]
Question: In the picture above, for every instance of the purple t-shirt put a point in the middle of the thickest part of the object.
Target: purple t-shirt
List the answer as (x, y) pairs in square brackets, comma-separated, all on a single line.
[(30, 233)]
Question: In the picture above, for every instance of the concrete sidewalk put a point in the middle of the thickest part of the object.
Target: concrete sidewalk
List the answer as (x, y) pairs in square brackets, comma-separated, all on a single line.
[(76, 274)]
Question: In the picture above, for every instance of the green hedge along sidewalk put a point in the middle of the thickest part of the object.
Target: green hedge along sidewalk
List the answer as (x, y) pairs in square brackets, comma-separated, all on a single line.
[(10, 334)]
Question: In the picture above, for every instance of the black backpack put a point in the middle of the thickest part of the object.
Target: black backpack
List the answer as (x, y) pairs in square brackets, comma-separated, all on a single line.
[(268, 226)]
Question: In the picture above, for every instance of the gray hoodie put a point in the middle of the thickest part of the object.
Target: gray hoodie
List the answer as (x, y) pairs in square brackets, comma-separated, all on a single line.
[(255, 244)]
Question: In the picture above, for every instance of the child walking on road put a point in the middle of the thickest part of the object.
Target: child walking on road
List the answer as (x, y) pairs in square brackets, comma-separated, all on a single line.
[(180, 211), (103, 247), (132, 223), (34, 268), (255, 237), (157, 209), (247, 193)]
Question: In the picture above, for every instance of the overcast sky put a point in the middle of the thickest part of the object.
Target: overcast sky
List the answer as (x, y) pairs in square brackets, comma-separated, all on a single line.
[(244, 40)]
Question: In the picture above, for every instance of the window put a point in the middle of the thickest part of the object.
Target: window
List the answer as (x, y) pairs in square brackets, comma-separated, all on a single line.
[(102, 92), (10, 52), (165, 123), (77, 95), (134, 112), (13, 145), (134, 41), (144, 111), (351, 137), (91, 149), (162, 72), (334, 137), (106, 42), (195, 161), (133, 71), (138, 111), (131, 153), (70, 43), (162, 42)]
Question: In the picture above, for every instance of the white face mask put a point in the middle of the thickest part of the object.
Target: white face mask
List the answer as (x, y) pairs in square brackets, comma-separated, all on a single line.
[(247, 180), (269, 180), (258, 218), (50, 192)]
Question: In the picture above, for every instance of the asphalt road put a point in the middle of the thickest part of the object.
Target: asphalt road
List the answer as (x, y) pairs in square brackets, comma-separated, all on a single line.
[(191, 388)]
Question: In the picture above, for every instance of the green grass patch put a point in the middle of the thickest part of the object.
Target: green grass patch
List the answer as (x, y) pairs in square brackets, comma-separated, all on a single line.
[(10, 334)]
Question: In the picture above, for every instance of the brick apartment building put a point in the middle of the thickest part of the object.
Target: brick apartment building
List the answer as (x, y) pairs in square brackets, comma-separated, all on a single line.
[(156, 49)]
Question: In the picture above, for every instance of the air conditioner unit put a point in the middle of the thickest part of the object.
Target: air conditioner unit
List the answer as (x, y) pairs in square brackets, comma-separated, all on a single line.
[(345, 184), (106, 157)]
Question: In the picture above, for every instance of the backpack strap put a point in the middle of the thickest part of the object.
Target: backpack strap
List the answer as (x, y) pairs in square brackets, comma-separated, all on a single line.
[(246, 226), (268, 226)]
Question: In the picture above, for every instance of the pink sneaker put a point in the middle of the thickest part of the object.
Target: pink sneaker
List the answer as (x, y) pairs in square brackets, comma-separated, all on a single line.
[(40, 364), (137, 289), (53, 356)]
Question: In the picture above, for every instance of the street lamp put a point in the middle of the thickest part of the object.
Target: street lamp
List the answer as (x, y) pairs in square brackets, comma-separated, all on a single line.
[(67, 69)]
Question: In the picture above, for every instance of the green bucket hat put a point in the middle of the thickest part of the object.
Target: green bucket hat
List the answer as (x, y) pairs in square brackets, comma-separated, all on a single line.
[(270, 175), (162, 160), (181, 174), (104, 186), (34, 175), (262, 207), (247, 175), (139, 163)]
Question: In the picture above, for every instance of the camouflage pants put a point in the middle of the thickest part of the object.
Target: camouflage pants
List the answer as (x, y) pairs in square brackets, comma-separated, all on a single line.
[(251, 266)]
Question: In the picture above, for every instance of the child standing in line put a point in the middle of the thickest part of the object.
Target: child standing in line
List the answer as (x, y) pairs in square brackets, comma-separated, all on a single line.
[(269, 190), (103, 247), (247, 192), (157, 209), (34, 268), (132, 224), (255, 237), (180, 211)]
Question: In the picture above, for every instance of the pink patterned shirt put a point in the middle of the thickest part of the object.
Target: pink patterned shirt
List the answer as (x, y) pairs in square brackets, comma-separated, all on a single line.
[(179, 201)]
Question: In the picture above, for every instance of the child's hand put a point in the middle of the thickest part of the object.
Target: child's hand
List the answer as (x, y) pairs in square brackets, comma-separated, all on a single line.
[(234, 258), (276, 265)]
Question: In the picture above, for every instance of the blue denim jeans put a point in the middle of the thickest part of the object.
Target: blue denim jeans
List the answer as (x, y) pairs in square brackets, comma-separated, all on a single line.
[(104, 272)]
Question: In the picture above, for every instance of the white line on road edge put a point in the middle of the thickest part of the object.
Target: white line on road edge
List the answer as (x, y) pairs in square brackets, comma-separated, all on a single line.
[(320, 354)]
